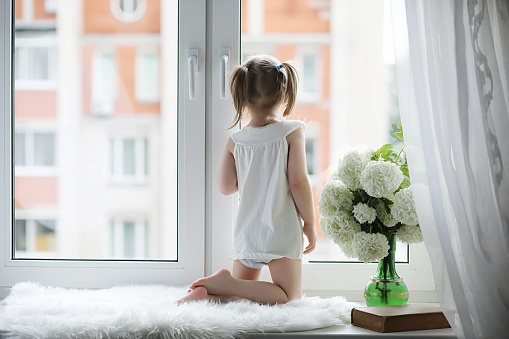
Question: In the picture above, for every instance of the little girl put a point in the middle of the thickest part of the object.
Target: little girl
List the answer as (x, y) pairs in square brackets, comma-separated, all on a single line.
[(266, 163)]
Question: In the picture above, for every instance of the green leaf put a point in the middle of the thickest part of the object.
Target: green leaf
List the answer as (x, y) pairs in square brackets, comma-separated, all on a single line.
[(398, 133)]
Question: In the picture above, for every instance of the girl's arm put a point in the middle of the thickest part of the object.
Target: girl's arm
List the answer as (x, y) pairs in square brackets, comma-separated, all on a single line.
[(227, 177), (300, 186)]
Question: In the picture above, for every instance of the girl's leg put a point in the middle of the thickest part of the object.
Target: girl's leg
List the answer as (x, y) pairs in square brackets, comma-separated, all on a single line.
[(240, 271), (286, 274)]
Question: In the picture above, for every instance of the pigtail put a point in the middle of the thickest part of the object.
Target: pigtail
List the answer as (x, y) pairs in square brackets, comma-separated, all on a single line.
[(239, 91), (291, 85)]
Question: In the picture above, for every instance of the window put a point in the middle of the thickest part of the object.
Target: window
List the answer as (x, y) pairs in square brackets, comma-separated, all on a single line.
[(35, 62), (128, 10), (147, 79), (129, 159), (106, 122), (33, 236), (104, 83), (34, 149), (129, 239), (50, 6), (309, 72), (91, 129)]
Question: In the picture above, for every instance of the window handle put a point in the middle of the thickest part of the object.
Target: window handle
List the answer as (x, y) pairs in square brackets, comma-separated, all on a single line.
[(192, 68), (225, 59)]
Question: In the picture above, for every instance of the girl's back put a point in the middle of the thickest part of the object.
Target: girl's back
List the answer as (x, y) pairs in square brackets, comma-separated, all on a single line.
[(268, 226)]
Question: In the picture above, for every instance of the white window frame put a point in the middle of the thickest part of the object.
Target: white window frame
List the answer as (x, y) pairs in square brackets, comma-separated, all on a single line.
[(31, 216), (116, 160), (29, 169), (142, 94), (314, 52), (117, 234), (204, 138), (25, 43), (191, 165), (327, 279), (103, 104)]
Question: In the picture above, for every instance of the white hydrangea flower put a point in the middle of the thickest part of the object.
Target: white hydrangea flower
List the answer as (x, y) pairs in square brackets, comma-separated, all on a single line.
[(386, 218), (410, 234), (351, 166), (370, 247), (334, 197), (403, 209), (341, 228), (381, 178), (333, 175), (363, 213)]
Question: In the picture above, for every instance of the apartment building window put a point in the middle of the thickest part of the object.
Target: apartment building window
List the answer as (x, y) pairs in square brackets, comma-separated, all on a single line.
[(129, 160), (104, 86), (309, 77), (34, 64), (311, 158), (129, 239), (50, 6), (34, 235), (147, 76), (128, 10), (34, 149)]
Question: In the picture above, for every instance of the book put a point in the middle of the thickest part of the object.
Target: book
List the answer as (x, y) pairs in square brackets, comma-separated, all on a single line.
[(410, 317)]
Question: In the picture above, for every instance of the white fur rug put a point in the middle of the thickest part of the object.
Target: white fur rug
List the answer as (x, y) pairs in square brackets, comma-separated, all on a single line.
[(35, 311)]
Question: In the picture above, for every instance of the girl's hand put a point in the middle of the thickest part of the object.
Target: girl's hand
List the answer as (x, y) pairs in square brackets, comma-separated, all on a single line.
[(310, 233)]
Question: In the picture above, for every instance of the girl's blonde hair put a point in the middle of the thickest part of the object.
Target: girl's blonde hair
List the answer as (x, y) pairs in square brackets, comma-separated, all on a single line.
[(263, 82)]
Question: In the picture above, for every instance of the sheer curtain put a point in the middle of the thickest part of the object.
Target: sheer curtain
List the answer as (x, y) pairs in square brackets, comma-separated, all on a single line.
[(452, 62)]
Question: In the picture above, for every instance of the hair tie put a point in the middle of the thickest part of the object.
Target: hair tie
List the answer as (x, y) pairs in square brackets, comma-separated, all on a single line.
[(246, 69), (279, 67)]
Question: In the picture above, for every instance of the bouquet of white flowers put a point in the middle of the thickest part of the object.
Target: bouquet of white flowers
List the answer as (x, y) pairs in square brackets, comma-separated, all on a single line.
[(368, 198)]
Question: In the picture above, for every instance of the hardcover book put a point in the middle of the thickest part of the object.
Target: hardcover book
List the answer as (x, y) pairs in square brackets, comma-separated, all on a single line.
[(410, 317)]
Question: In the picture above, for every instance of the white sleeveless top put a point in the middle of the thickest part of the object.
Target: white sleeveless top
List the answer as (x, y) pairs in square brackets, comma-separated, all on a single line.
[(268, 225)]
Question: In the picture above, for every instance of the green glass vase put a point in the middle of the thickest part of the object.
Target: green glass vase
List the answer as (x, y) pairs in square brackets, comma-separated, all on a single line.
[(386, 287)]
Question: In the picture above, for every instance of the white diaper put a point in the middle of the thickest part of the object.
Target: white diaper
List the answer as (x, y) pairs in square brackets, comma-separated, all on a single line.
[(254, 263)]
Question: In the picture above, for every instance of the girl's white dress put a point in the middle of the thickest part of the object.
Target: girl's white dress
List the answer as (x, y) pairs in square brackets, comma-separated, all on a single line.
[(268, 225)]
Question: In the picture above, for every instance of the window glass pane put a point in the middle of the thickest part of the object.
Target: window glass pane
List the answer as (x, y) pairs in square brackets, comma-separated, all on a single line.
[(347, 84), (148, 89), (20, 235), (129, 242), (309, 76), (38, 63), (19, 149), (79, 193), (310, 156), (129, 158), (44, 149), (45, 235)]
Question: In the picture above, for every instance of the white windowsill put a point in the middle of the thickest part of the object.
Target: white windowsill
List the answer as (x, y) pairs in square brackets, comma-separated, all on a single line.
[(351, 331)]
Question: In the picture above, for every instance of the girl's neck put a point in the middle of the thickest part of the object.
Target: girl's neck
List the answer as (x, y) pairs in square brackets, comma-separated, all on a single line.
[(260, 118)]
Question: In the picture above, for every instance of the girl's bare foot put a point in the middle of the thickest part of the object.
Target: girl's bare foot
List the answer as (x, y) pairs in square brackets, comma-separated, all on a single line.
[(197, 293), (220, 283)]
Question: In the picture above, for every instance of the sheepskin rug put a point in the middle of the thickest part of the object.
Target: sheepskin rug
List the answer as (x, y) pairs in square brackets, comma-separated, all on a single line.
[(35, 311)]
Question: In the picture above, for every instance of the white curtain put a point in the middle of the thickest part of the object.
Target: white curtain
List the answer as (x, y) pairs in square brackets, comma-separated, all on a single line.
[(452, 62)]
